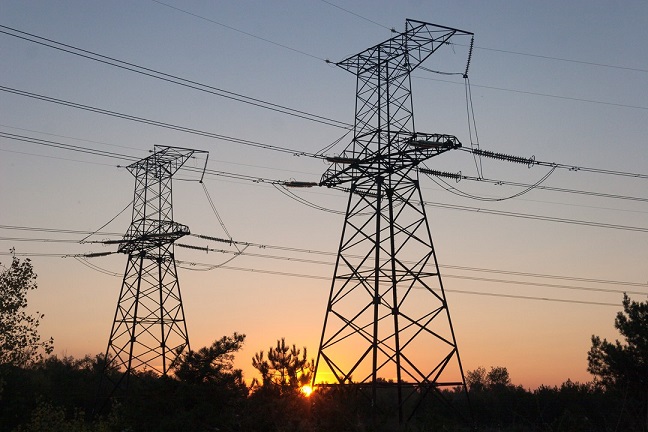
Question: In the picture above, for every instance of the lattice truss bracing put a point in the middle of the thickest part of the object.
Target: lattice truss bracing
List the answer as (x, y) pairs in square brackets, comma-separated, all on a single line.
[(149, 328), (387, 321)]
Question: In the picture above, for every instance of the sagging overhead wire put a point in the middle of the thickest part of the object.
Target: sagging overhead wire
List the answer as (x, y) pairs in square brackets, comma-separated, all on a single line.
[(528, 161), (545, 57), (170, 78), (83, 240), (156, 123), (445, 275), (532, 161), (472, 123), (239, 31), (456, 207), (208, 267), (333, 144), (293, 196), (592, 101), (481, 293), (443, 184), (83, 260), (237, 254), (332, 255), (213, 207), (70, 147), (458, 177), (119, 156)]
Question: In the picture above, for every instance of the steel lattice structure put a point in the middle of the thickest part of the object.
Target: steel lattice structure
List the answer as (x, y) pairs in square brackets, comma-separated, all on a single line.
[(387, 322), (149, 329)]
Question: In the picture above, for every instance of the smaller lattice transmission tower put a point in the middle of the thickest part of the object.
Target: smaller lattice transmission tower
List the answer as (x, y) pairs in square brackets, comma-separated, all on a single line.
[(149, 329), (387, 329)]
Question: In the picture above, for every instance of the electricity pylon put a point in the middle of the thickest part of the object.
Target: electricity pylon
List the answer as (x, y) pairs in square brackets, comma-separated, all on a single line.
[(149, 329), (387, 322)]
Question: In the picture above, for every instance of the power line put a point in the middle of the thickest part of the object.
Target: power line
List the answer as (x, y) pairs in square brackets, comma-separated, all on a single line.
[(459, 176), (329, 263), (620, 105), (530, 216), (357, 15), (480, 293), (532, 161), (239, 31), (55, 230), (55, 157), (95, 152), (447, 275), (300, 275), (156, 123), (454, 267), (325, 253), (456, 176), (70, 147), (171, 78), (69, 137), (38, 240), (545, 57), (255, 179)]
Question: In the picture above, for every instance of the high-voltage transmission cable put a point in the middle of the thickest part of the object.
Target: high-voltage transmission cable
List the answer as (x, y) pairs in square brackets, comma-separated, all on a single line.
[(459, 176), (241, 251), (525, 92), (156, 123), (69, 147), (184, 11), (207, 249), (431, 172), (436, 173), (170, 78), (266, 246), (189, 265), (532, 161), (483, 153), (255, 179), (518, 53)]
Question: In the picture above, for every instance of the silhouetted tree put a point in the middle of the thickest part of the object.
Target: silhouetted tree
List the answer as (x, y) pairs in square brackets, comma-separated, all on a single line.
[(20, 343), (498, 376), (213, 365), (623, 367), (479, 379), (476, 379), (276, 404), (284, 370)]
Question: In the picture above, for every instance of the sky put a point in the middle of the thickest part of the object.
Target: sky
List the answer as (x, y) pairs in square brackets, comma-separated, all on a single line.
[(529, 279)]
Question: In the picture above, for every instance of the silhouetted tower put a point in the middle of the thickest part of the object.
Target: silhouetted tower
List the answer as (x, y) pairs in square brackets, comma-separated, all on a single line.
[(149, 329), (387, 322)]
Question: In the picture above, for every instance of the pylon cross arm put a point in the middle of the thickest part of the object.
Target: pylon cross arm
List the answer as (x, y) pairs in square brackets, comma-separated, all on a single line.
[(409, 149)]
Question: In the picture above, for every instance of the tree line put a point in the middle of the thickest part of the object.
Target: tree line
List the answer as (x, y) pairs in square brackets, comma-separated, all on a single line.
[(205, 392)]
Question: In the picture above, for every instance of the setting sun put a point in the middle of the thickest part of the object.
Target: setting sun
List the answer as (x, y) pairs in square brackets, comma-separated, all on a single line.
[(307, 390)]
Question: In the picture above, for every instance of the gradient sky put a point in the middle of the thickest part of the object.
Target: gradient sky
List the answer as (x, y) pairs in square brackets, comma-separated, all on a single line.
[(564, 81)]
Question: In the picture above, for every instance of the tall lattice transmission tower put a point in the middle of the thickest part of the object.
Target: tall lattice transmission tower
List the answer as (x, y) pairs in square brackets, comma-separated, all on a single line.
[(387, 322), (149, 328)]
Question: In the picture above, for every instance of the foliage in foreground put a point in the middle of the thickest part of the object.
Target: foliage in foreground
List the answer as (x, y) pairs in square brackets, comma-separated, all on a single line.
[(206, 392), (20, 343)]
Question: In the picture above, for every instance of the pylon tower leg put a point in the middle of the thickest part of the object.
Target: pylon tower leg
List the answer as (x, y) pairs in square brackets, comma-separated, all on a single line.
[(149, 329), (387, 320)]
